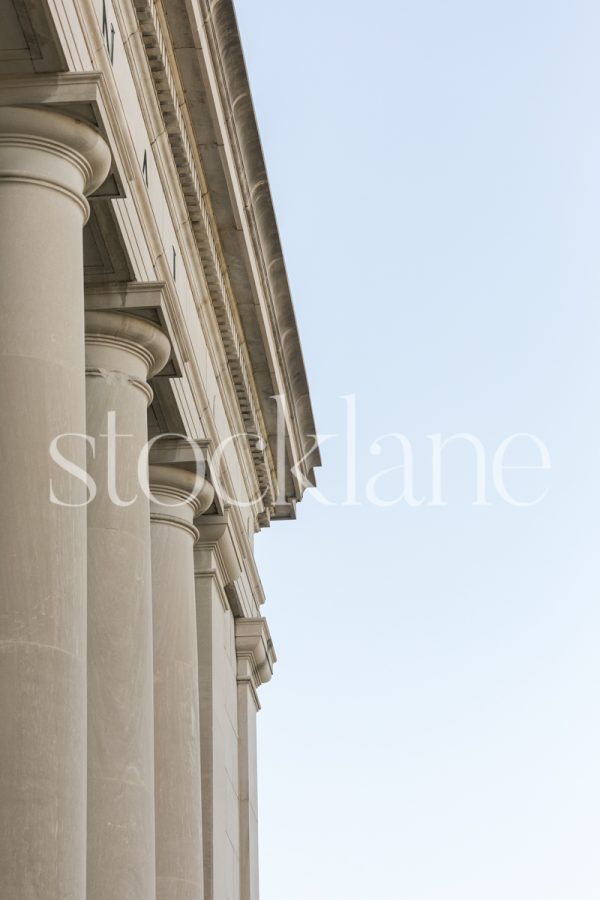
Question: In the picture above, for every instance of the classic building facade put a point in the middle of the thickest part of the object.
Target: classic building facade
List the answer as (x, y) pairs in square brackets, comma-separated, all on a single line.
[(155, 415)]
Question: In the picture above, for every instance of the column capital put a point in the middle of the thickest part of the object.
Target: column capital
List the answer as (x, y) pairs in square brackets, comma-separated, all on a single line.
[(214, 536), (255, 653), (140, 337), (178, 496), (85, 96), (57, 151), (119, 345), (143, 299)]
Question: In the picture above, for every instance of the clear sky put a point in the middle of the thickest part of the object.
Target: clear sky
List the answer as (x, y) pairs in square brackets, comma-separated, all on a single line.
[(432, 731)]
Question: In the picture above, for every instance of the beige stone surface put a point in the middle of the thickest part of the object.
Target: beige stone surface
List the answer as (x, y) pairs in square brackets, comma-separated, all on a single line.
[(47, 163), (174, 648)]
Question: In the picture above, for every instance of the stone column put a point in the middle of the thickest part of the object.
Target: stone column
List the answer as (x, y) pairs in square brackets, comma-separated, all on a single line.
[(177, 496), (216, 568), (256, 657), (48, 162), (122, 351)]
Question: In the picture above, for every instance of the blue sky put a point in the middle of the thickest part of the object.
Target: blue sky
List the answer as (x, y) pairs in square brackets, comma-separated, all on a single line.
[(432, 730)]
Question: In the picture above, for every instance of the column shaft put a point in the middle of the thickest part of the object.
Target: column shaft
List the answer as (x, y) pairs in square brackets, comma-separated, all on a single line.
[(121, 351), (48, 162), (218, 716), (177, 495), (255, 660), (248, 791)]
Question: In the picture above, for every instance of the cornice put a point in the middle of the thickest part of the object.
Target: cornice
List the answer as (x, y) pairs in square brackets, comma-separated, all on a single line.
[(243, 226), (165, 83), (227, 52)]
